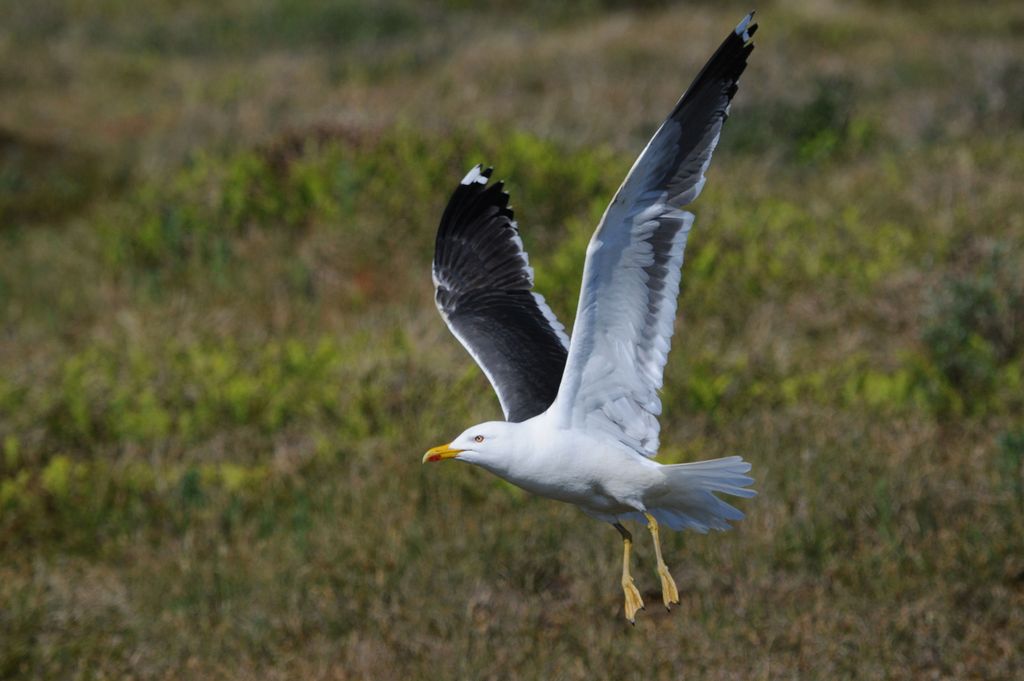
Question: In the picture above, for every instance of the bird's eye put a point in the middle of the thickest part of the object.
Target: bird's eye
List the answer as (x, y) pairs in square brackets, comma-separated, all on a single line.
[(478, 438)]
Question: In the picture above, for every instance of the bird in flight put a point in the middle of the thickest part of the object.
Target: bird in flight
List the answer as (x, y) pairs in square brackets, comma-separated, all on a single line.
[(581, 413)]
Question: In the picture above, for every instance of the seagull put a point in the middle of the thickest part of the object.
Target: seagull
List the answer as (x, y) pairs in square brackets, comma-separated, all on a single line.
[(581, 413)]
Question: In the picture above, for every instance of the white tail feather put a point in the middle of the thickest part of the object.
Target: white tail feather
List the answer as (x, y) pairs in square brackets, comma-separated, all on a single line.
[(688, 500)]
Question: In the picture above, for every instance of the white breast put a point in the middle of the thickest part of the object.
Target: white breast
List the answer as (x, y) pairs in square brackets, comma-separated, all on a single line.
[(590, 470)]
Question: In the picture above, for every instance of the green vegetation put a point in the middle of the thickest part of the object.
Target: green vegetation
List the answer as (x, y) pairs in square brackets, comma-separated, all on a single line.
[(220, 363)]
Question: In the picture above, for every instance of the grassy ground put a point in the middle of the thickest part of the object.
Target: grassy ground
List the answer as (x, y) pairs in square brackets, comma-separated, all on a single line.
[(220, 364)]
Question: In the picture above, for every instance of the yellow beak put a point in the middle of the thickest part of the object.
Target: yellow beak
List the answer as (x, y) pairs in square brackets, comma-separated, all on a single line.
[(441, 453)]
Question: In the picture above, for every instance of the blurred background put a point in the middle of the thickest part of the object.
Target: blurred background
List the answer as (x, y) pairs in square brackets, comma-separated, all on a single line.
[(220, 362)]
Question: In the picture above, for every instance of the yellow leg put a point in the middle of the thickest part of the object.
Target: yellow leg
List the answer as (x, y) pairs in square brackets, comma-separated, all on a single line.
[(633, 600), (669, 592)]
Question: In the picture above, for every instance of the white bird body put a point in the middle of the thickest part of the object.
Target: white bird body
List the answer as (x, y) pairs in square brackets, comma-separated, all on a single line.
[(582, 413), (599, 474), (608, 480)]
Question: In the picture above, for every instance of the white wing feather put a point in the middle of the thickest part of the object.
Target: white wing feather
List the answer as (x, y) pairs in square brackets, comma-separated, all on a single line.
[(626, 314)]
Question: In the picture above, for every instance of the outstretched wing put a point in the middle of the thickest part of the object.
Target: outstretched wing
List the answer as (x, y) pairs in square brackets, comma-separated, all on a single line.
[(484, 289), (627, 304)]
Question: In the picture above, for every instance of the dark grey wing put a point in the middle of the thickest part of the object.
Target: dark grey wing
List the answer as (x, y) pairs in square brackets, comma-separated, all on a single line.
[(484, 290)]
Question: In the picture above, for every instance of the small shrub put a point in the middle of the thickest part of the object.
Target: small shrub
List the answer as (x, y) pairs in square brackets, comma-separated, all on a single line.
[(827, 125), (1011, 450), (975, 331), (41, 181)]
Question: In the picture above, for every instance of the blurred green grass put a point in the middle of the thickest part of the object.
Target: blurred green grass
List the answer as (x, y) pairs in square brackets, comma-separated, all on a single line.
[(219, 358)]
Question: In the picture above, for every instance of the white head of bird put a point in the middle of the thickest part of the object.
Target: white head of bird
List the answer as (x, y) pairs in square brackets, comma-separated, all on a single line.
[(489, 445)]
